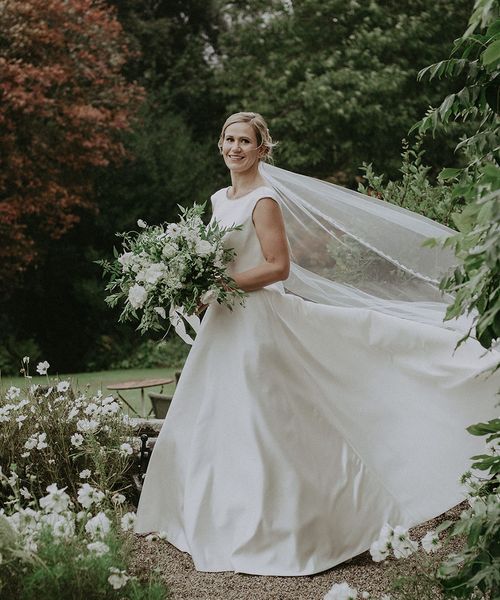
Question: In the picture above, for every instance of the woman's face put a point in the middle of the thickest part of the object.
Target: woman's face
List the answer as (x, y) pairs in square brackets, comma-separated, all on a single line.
[(239, 147)]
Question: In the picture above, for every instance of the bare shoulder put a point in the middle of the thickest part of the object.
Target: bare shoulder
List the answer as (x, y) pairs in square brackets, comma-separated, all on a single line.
[(267, 211)]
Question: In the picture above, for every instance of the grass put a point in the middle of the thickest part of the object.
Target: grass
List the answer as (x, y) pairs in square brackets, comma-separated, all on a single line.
[(91, 382)]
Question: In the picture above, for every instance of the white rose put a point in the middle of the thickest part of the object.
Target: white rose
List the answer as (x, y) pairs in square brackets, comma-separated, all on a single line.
[(203, 247), (137, 296), (168, 250), (126, 259), (209, 296)]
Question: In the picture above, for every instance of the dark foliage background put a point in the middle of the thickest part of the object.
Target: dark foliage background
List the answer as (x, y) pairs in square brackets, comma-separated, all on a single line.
[(337, 82)]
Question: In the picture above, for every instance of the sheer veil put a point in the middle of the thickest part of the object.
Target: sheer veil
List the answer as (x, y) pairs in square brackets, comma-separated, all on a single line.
[(352, 250)]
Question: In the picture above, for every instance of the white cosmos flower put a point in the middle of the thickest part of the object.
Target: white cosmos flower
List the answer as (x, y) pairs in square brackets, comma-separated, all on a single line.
[(127, 521), (341, 591), (77, 440), (56, 500), (118, 578), (137, 296), (12, 393), (430, 542), (42, 368), (62, 526), (379, 550), (87, 425), (118, 498), (98, 526), (63, 386), (142, 224), (126, 449), (98, 548), (88, 495), (401, 543), (85, 474)]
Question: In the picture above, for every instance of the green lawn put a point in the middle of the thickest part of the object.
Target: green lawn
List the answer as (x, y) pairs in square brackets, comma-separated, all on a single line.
[(91, 382)]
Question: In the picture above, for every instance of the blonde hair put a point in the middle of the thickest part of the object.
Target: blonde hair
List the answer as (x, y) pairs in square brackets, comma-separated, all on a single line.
[(259, 126)]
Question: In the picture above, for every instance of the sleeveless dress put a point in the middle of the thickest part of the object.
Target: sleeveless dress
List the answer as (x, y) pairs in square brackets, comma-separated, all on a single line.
[(298, 429)]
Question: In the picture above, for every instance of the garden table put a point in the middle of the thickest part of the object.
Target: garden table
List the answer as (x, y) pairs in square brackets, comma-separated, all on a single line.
[(136, 385)]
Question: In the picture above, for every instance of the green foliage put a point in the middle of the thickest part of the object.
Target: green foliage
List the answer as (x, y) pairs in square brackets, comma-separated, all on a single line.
[(336, 79), (170, 353), (474, 282), (415, 191), (54, 414)]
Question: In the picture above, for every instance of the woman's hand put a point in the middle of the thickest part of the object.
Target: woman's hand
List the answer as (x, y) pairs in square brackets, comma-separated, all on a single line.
[(200, 308)]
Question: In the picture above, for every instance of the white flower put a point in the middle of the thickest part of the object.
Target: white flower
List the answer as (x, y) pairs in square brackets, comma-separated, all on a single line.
[(379, 550), (77, 440), (341, 591), (91, 409), (137, 296), (26, 359), (168, 250), (163, 535), (118, 498), (36, 441), (88, 495), (203, 247), (152, 273), (126, 449), (42, 368), (87, 425), (85, 474), (401, 543), (25, 492), (98, 548), (56, 500), (142, 224), (127, 521), (161, 311), (20, 419), (25, 455), (209, 296), (126, 259), (173, 230), (430, 542), (12, 393), (365, 595), (62, 526), (33, 388), (98, 526), (63, 386), (118, 578), (151, 537)]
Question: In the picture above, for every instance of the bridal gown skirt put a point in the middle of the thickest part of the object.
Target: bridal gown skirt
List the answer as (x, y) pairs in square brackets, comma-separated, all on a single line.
[(298, 429)]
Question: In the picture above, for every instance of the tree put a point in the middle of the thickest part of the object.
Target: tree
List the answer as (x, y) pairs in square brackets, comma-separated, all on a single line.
[(336, 79), (64, 104)]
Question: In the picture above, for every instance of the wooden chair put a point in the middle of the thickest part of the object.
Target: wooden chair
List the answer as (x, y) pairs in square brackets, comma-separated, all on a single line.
[(161, 402)]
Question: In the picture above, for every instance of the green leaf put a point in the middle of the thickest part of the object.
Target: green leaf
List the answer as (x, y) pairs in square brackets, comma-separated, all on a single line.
[(491, 54)]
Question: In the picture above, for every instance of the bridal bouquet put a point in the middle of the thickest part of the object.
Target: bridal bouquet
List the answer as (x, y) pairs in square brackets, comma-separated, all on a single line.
[(167, 271)]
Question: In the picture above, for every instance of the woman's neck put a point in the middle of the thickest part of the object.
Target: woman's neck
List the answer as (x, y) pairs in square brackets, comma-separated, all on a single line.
[(242, 183)]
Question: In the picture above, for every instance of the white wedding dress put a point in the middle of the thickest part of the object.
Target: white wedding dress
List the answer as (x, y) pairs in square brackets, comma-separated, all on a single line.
[(298, 429)]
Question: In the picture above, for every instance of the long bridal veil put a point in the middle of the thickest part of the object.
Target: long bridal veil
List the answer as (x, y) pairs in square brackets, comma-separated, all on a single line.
[(352, 250)]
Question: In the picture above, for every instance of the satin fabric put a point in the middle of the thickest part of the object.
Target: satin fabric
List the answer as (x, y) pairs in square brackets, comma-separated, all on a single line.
[(298, 429)]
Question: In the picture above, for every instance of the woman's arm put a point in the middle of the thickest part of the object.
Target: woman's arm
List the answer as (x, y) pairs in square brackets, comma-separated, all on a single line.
[(270, 229)]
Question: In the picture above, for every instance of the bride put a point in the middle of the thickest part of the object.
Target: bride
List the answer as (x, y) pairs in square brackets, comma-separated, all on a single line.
[(333, 401)]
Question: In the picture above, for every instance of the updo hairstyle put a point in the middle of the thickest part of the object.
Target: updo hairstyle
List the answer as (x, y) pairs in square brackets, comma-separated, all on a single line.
[(259, 126)]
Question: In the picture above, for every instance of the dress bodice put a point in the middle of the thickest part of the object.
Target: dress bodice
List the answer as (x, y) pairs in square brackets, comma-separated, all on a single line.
[(239, 211)]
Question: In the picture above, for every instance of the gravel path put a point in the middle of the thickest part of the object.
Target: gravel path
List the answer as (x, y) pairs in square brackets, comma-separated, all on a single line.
[(185, 583)]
